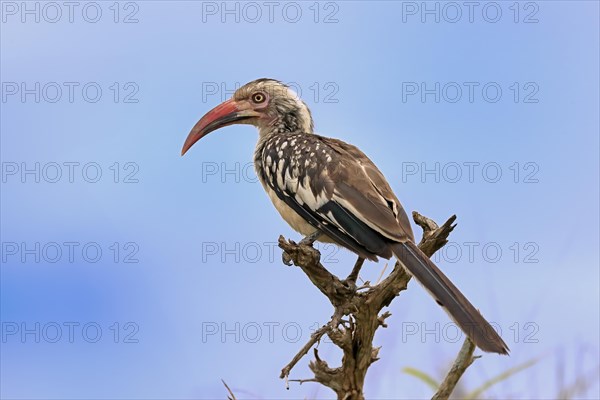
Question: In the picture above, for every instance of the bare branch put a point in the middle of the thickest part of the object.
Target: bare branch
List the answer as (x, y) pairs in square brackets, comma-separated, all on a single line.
[(301, 381), (463, 361), (362, 306), (434, 237), (314, 338), (309, 260)]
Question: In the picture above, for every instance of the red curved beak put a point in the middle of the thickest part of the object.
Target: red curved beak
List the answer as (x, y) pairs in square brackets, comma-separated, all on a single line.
[(227, 113)]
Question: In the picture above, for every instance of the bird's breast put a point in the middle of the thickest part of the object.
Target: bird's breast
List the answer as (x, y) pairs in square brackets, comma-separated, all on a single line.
[(293, 219)]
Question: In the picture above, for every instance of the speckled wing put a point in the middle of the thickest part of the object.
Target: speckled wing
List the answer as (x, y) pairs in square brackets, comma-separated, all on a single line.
[(332, 185), (364, 189)]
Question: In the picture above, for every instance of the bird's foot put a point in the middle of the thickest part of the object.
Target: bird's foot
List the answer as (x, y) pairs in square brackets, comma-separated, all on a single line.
[(350, 284), (350, 281), (286, 258), (307, 241), (310, 239)]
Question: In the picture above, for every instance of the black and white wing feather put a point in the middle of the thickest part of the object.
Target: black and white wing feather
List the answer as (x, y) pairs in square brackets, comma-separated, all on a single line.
[(336, 189)]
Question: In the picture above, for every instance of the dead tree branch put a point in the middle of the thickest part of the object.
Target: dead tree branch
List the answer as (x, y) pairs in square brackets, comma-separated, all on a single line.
[(463, 361), (355, 335)]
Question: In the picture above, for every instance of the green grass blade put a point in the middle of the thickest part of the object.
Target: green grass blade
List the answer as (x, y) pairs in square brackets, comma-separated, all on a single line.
[(423, 376)]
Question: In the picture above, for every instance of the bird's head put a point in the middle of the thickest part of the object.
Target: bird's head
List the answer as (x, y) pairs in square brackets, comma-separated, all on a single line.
[(268, 104)]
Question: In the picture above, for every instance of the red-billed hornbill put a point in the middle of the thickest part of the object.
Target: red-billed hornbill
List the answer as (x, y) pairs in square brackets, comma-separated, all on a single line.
[(331, 191)]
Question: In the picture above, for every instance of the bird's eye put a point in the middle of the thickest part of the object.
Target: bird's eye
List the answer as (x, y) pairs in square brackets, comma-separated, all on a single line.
[(258, 98)]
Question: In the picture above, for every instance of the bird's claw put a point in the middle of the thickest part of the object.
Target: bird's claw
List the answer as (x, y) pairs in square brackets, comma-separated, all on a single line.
[(310, 239), (350, 284), (286, 258)]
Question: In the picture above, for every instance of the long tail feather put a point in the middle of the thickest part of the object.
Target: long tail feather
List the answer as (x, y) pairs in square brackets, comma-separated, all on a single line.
[(449, 297)]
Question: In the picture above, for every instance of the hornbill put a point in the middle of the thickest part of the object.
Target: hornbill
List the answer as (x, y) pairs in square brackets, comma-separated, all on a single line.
[(330, 191)]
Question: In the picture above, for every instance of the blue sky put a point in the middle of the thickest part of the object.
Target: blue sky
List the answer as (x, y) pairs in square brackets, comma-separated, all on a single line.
[(160, 272)]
